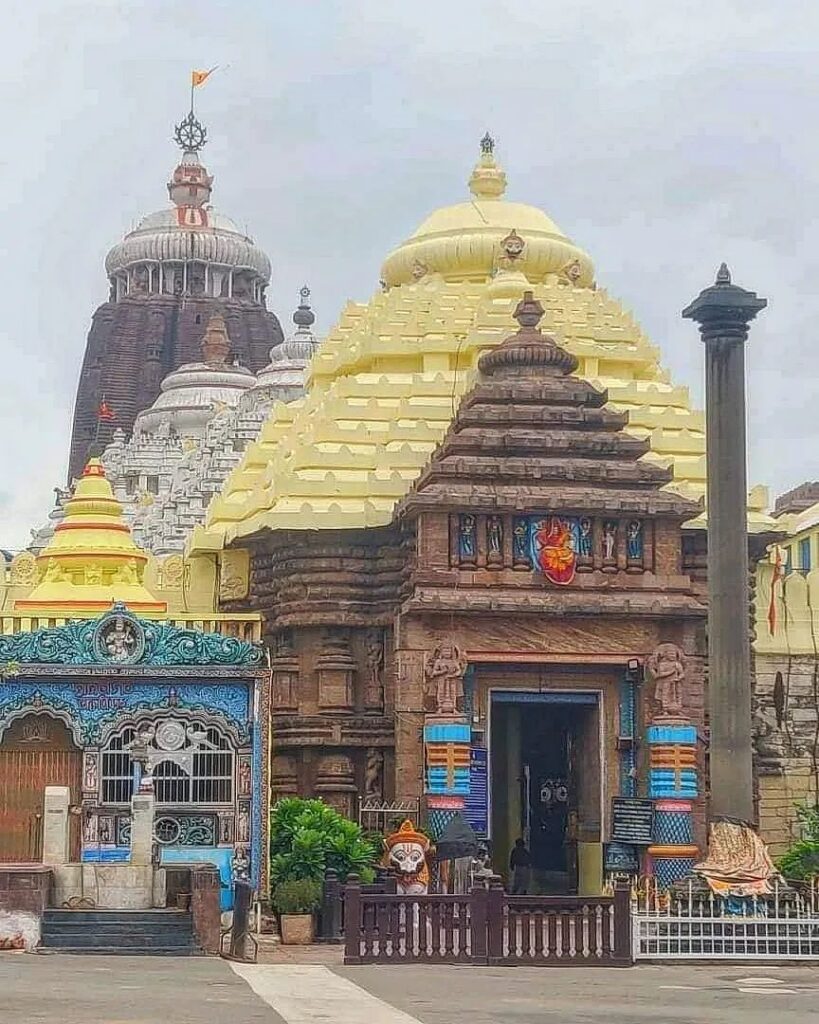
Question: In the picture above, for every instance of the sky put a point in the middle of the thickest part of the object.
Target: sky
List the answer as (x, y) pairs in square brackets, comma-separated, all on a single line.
[(662, 138)]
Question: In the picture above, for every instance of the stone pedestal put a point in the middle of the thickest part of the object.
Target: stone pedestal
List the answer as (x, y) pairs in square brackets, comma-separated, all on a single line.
[(142, 829), (56, 825)]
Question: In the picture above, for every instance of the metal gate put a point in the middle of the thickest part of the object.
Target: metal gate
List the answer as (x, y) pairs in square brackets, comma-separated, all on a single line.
[(36, 751)]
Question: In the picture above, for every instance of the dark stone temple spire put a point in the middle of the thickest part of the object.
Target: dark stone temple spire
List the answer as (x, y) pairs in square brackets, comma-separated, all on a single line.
[(723, 313), (167, 278)]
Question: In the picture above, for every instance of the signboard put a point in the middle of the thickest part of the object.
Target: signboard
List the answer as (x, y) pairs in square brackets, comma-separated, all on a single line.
[(632, 821), (621, 857), (476, 805)]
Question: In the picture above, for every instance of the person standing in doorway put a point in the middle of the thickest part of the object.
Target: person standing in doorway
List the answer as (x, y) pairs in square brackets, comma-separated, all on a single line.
[(520, 864)]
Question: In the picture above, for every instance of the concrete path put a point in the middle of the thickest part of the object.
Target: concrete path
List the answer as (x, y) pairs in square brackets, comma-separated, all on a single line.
[(62, 989), (158, 990)]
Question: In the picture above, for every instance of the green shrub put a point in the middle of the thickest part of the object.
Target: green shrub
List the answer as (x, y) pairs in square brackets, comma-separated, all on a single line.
[(307, 838), (801, 861), (297, 896)]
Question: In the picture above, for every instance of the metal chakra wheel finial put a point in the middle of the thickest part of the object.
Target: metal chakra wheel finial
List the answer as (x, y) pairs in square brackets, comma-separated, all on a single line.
[(190, 134), (487, 144)]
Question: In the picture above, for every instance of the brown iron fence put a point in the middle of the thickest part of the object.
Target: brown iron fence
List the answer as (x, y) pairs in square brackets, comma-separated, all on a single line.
[(487, 926)]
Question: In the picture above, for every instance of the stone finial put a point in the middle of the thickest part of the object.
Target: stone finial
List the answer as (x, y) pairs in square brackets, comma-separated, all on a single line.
[(304, 315), (216, 342), (528, 347), (529, 311), (723, 274), (488, 181)]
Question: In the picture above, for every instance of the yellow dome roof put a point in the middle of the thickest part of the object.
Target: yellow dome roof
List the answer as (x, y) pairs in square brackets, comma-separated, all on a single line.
[(92, 560), (474, 239)]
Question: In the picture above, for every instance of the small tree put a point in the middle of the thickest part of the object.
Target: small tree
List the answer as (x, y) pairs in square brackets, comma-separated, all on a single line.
[(307, 838)]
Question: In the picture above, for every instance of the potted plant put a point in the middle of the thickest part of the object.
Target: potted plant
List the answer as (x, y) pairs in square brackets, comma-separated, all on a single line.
[(296, 900)]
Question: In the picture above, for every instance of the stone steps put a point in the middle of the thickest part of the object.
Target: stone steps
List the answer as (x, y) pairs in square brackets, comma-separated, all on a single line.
[(130, 932)]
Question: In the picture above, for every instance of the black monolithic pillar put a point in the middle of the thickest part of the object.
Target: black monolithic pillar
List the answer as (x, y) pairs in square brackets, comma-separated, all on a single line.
[(723, 313)]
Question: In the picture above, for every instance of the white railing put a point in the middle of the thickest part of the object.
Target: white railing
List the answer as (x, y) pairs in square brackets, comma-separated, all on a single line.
[(693, 926)]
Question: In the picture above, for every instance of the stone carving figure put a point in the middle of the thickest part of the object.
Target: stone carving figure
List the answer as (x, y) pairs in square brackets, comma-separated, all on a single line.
[(520, 540), (634, 542), (466, 537), (119, 640), (374, 775), (666, 666), (445, 678), (584, 538), (494, 538), (609, 540), (374, 691)]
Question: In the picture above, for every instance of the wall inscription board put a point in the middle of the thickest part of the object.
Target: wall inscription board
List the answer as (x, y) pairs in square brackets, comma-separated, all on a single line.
[(632, 821)]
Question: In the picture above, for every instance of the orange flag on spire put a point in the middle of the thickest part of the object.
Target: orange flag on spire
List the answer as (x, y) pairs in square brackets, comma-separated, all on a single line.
[(198, 77)]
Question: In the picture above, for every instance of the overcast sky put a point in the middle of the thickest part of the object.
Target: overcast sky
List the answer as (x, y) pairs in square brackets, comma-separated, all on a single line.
[(663, 138)]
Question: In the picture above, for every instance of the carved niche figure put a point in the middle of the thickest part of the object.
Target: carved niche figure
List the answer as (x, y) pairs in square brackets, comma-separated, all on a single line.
[(609, 542), (494, 540), (119, 640), (666, 666), (585, 543), (245, 776), (374, 686), (419, 270), (374, 775), (521, 543), (467, 549), (634, 541), (89, 773), (445, 679), (406, 855)]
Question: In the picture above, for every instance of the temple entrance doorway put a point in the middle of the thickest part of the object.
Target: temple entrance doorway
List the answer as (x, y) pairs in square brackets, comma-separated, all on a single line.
[(545, 783), (36, 751)]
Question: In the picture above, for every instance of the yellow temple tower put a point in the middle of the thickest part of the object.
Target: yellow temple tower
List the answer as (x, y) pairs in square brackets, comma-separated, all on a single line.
[(387, 381), (92, 560)]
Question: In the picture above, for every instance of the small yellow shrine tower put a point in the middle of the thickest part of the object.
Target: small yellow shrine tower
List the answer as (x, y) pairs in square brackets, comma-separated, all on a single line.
[(92, 560)]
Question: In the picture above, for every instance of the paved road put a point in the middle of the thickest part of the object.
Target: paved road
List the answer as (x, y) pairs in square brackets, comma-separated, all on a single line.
[(144, 990)]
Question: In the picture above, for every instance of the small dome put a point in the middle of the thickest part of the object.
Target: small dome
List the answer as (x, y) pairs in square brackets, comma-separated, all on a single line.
[(474, 239), (194, 393), (289, 360)]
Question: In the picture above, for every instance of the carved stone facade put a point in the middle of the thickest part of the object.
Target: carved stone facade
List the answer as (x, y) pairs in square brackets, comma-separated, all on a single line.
[(536, 557)]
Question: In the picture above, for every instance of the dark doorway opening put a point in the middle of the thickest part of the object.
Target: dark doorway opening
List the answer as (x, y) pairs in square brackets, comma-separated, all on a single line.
[(545, 769)]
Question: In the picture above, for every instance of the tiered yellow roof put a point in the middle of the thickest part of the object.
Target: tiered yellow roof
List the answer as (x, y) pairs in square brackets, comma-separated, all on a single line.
[(92, 560), (386, 383)]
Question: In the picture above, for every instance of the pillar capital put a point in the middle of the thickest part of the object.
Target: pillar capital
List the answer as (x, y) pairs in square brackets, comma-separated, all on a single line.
[(724, 310)]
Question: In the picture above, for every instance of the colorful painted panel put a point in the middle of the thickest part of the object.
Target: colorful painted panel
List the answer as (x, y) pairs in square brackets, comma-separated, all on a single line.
[(446, 745), (87, 707), (121, 638), (554, 543)]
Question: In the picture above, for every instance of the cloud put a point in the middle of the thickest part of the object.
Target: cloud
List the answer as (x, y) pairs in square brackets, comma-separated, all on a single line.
[(663, 139)]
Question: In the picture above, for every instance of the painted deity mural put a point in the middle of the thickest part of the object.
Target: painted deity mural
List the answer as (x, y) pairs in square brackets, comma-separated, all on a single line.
[(134, 697)]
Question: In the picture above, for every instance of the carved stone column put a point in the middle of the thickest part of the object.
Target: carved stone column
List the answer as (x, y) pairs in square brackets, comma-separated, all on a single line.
[(723, 313)]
